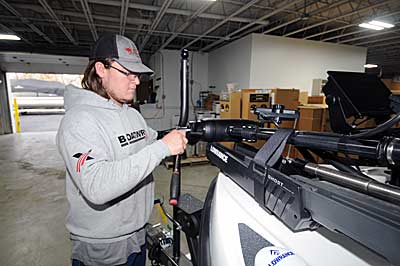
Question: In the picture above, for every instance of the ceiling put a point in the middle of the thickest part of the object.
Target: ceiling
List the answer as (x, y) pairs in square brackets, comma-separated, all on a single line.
[(69, 27), (21, 62)]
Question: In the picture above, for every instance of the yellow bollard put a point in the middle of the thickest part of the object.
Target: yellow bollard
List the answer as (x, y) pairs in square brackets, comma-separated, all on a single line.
[(163, 216), (16, 115)]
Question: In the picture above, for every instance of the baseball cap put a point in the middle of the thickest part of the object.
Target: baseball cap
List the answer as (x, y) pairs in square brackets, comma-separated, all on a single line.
[(120, 49)]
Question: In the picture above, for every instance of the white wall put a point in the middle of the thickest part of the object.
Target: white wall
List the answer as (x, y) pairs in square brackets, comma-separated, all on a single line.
[(231, 64), (293, 63), (255, 61), (166, 66)]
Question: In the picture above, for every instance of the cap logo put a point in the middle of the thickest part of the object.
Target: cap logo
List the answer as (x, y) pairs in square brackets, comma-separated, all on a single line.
[(128, 50), (131, 51)]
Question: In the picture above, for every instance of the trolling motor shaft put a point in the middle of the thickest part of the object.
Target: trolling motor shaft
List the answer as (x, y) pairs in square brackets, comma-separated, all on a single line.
[(364, 185), (175, 185), (386, 151)]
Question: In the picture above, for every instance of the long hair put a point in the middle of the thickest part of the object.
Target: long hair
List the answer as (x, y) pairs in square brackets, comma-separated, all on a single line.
[(91, 81)]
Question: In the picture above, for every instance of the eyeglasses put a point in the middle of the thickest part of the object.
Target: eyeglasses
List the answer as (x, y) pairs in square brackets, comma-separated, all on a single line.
[(126, 73)]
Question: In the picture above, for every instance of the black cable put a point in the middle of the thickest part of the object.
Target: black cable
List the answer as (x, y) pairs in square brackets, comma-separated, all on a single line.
[(349, 161), (379, 129), (341, 164), (347, 169)]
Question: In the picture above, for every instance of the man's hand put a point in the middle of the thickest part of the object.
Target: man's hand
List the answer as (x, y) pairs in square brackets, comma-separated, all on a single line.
[(176, 141)]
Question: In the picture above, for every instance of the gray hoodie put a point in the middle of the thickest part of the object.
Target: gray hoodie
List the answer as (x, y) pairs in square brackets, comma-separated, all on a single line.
[(109, 153)]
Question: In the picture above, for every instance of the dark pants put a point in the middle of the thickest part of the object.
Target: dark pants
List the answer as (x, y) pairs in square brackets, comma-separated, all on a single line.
[(135, 259)]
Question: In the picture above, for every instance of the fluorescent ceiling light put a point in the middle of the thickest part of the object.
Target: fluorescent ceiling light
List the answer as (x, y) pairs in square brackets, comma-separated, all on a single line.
[(9, 37), (381, 24), (370, 26), (370, 66), (376, 25)]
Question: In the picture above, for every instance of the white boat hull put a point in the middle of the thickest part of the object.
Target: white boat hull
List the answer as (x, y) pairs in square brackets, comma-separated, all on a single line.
[(241, 231)]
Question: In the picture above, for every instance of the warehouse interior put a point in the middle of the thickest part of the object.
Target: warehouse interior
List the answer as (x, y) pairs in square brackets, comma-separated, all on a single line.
[(243, 54)]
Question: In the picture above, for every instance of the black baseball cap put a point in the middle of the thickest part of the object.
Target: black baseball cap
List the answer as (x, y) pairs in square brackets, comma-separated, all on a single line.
[(120, 49)]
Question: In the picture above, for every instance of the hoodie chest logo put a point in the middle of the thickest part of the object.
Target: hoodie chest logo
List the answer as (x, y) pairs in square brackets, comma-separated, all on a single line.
[(130, 138)]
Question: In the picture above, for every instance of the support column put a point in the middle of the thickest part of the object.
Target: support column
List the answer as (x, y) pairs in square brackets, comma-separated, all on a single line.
[(5, 115)]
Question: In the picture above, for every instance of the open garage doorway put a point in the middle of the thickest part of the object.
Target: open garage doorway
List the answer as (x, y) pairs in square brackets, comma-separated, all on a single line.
[(38, 99), (36, 83)]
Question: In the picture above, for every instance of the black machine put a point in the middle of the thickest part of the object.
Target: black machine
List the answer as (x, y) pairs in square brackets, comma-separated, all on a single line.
[(305, 193), (358, 96)]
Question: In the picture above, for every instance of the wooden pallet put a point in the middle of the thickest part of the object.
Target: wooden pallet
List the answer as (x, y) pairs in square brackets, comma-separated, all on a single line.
[(188, 161)]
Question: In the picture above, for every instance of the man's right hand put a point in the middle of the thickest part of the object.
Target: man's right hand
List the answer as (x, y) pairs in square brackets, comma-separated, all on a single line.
[(176, 141)]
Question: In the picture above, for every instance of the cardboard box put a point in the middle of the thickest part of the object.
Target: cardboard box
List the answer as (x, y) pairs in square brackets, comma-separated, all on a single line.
[(311, 112), (252, 100), (297, 154), (326, 123), (246, 90), (316, 100), (312, 118), (287, 124), (229, 145), (208, 102), (231, 108), (258, 144), (287, 97), (395, 86), (388, 83), (391, 85), (303, 97), (309, 124)]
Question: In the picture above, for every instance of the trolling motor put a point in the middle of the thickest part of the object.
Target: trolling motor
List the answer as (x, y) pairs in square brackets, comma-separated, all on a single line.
[(293, 190), (302, 194), (270, 192), (290, 188), (385, 151)]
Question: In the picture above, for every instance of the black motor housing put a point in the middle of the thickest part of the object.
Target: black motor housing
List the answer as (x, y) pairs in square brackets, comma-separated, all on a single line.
[(217, 130)]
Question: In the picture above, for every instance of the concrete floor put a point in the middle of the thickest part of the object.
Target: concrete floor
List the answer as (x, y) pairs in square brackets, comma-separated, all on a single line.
[(36, 123), (33, 202)]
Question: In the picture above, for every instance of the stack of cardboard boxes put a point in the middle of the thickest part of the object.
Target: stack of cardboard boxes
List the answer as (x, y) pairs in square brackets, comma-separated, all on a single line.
[(312, 118), (252, 99), (230, 105), (313, 112), (230, 108), (288, 98), (239, 104)]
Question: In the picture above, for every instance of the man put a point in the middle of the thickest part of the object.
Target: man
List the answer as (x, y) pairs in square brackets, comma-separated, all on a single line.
[(109, 153)]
